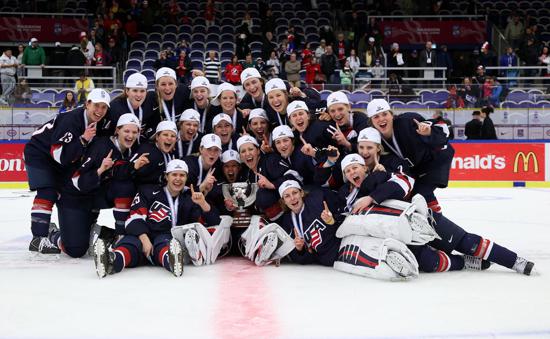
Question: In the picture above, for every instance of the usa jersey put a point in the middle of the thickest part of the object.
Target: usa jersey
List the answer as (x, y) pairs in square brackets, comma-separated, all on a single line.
[(120, 105), (153, 172), (171, 110), (187, 148), (150, 212), (321, 243)]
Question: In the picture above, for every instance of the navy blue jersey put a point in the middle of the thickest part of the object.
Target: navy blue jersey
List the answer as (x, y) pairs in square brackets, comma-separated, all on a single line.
[(298, 164), (237, 117), (172, 109), (150, 212), (187, 148), (318, 134), (248, 102), (358, 122), (312, 100), (320, 238), (153, 172), (232, 144), (429, 157), (120, 105), (197, 173), (206, 115), (59, 139), (85, 180)]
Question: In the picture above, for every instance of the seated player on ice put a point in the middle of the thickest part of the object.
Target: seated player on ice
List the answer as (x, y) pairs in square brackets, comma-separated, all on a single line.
[(155, 211)]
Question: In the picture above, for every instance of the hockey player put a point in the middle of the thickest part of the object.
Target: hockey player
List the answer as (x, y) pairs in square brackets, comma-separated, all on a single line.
[(348, 123), (477, 250), (289, 160), (169, 99), (222, 126), (258, 125), (226, 101), (158, 154), (200, 93), (255, 96), (104, 180), (311, 223), (189, 136), (202, 168), (134, 99), (52, 154), (154, 212)]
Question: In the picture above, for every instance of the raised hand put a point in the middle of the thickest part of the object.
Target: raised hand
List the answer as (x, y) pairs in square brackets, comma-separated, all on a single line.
[(326, 215), (341, 138), (90, 132), (245, 112), (423, 128), (377, 165), (263, 182), (208, 182), (299, 242), (198, 198), (307, 149), (244, 132), (141, 161), (106, 163), (266, 147)]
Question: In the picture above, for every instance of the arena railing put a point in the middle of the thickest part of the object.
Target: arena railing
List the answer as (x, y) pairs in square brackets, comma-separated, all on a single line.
[(57, 77)]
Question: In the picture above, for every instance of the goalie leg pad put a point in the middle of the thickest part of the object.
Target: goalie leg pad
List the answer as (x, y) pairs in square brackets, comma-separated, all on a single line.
[(254, 238), (385, 259), (196, 245), (220, 238)]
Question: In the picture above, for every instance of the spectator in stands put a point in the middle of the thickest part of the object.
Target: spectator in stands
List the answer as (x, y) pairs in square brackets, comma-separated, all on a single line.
[(480, 76), (275, 65), (212, 68), (396, 59), (131, 28), (147, 17), (233, 71), (509, 60), (268, 22), (87, 48), (75, 58), (268, 45), (22, 93), (241, 46), (34, 54), (342, 49), (247, 20), (472, 129), (83, 86), (297, 42), (210, 13), (439, 118), (488, 131), (413, 61), (314, 76), (454, 100), (69, 102), (398, 88), (248, 62), (20, 52), (307, 54), (183, 67), (329, 63), (292, 70), (428, 59), (354, 62), (162, 61), (320, 50), (491, 91), (469, 93), (544, 60), (346, 76), (58, 58), (487, 58), (514, 32), (326, 33), (531, 57), (114, 51), (444, 60), (8, 68)]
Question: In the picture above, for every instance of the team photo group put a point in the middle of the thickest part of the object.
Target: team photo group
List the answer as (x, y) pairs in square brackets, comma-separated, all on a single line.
[(196, 173)]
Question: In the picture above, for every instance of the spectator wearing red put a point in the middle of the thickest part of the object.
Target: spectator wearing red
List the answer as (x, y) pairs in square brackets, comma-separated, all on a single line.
[(233, 71), (307, 54), (314, 76), (131, 27), (183, 67), (454, 100), (210, 13), (342, 49)]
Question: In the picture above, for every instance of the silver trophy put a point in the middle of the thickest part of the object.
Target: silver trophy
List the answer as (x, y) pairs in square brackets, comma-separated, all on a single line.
[(243, 195)]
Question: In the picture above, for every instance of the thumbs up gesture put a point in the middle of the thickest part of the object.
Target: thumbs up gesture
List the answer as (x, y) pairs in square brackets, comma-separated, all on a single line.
[(326, 215)]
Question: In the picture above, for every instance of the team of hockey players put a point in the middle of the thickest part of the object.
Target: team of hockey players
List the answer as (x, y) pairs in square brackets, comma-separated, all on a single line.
[(320, 184)]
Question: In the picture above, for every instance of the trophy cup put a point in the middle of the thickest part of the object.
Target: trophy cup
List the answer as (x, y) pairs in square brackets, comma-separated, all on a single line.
[(243, 195)]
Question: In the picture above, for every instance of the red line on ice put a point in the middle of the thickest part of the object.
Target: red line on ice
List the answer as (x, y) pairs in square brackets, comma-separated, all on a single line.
[(245, 308)]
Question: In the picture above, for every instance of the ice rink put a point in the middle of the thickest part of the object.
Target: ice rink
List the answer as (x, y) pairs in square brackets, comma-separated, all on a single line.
[(63, 298)]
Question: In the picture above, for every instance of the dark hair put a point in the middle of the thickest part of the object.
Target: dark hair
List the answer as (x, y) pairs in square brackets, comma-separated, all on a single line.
[(66, 102), (476, 113)]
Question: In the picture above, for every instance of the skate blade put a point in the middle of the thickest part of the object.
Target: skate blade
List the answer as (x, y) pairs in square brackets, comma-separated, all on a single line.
[(37, 256)]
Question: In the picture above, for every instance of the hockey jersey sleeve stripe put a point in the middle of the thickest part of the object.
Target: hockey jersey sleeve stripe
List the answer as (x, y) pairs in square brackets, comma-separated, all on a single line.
[(56, 151), (75, 178), (404, 181)]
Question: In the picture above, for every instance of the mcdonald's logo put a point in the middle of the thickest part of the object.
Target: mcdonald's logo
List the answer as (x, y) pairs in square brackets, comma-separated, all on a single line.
[(526, 160)]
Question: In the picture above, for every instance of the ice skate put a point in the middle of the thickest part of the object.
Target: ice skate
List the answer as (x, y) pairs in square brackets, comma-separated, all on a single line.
[(474, 263), (399, 264), (192, 245), (43, 245), (175, 258), (103, 258), (103, 232), (523, 266), (270, 242)]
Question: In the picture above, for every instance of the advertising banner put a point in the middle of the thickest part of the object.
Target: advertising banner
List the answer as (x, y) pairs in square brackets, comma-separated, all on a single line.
[(66, 30), (417, 32), (12, 166), (499, 162)]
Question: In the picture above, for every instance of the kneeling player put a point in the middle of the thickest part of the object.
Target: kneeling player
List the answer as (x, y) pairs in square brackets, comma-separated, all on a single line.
[(154, 212)]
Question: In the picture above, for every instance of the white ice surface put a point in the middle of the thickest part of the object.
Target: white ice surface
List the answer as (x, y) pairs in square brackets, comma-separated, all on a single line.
[(63, 298)]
